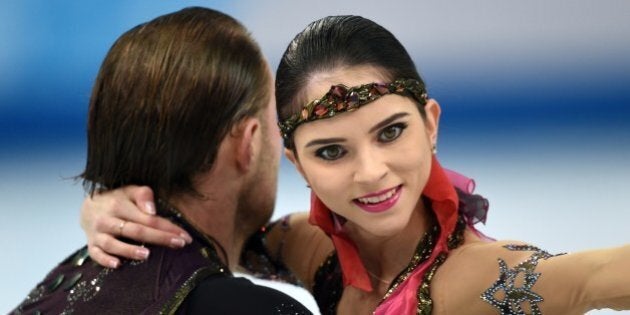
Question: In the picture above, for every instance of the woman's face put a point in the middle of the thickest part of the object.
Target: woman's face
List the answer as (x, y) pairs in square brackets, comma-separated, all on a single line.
[(369, 165)]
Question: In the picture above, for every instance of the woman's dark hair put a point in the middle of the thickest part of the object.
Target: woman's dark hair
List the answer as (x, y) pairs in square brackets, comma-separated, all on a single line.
[(331, 43), (167, 94)]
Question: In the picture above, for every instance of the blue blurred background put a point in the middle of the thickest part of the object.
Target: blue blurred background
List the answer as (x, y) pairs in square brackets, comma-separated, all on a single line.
[(535, 99)]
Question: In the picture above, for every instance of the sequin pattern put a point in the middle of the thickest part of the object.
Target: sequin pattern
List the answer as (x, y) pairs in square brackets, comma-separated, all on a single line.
[(328, 286), (423, 252), (171, 306), (75, 285), (289, 309), (85, 290), (35, 295), (425, 303), (514, 296), (69, 283), (257, 260)]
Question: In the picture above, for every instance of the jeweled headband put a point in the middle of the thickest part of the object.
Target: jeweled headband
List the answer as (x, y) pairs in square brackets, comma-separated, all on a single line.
[(341, 98)]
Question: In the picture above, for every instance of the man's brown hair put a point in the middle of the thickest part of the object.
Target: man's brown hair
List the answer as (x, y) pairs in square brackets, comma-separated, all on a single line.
[(166, 95)]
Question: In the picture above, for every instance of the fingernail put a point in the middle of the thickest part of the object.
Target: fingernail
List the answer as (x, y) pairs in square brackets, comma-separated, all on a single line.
[(142, 253), (113, 263), (149, 207), (177, 242), (186, 237)]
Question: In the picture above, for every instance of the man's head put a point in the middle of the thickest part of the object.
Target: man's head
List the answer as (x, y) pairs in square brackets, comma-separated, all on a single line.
[(168, 93)]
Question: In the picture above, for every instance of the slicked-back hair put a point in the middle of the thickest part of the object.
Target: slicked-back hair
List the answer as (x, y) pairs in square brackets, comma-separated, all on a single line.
[(166, 95), (331, 43)]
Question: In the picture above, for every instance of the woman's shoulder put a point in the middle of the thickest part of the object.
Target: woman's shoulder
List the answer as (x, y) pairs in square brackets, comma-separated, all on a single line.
[(477, 247), (485, 259), (305, 248)]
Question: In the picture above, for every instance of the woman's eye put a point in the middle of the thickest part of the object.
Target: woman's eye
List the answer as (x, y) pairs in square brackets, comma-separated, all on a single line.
[(331, 152), (390, 133)]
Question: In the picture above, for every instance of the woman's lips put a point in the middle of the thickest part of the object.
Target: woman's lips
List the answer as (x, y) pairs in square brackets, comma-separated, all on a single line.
[(380, 201)]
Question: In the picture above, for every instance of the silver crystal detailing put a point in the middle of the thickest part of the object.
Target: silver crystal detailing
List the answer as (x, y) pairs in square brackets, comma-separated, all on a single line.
[(514, 295), (86, 290), (35, 295)]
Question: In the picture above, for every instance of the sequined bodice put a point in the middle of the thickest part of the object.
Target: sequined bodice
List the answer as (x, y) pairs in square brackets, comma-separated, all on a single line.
[(328, 285)]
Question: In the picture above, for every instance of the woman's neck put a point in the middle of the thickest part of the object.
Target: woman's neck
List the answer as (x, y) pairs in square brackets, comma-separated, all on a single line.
[(385, 257)]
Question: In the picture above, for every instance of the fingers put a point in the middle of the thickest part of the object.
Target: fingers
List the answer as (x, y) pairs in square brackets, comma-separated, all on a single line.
[(142, 196), (146, 228), (137, 226), (128, 212), (105, 246), (102, 258), (96, 207), (150, 235), (120, 204)]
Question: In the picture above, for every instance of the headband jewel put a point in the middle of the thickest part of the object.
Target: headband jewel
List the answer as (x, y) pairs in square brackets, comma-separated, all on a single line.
[(341, 98)]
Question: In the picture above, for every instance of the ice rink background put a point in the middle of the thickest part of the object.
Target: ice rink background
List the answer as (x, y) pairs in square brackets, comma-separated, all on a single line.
[(535, 99)]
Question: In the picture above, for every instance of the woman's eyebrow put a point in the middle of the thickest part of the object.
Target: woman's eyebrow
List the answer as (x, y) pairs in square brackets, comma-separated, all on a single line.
[(324, 141), (388, 121)]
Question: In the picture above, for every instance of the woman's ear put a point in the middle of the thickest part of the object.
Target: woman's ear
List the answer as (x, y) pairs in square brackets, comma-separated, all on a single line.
[(432, 121), (291, 156)]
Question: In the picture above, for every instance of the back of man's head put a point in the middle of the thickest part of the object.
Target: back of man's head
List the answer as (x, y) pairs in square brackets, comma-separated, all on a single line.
[(167, 93)]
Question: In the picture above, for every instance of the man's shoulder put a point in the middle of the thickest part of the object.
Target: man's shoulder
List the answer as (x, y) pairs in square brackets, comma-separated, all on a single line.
[(236, 295), (79, 285)]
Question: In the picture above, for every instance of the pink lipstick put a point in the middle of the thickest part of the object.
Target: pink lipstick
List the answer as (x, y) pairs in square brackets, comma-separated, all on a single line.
[(380, 201)]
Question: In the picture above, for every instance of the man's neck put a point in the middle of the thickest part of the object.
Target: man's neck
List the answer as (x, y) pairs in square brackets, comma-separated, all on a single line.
[(213, 216)]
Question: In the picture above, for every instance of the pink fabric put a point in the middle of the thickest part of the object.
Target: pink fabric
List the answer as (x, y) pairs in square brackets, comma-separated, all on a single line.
[(480, 234), (405, 299), (444, 202), (353, 271), (460, 181)]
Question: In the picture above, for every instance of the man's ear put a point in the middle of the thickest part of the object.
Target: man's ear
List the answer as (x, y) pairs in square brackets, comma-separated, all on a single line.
[(432, 122), (247, 142), (291, 156)]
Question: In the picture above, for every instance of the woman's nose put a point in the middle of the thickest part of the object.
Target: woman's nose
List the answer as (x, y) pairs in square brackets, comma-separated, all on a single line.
[(370, 167)]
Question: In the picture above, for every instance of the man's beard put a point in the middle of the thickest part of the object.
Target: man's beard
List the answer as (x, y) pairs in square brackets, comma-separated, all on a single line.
[(257, 199)]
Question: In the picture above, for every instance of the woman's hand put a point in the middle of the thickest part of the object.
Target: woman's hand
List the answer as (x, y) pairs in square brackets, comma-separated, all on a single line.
[(127, 212)]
